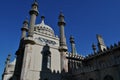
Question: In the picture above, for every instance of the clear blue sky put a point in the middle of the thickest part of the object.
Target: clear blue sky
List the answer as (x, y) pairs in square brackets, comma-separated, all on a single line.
[(84, 19)]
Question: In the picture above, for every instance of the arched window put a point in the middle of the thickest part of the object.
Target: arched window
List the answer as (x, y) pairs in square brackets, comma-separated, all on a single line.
[(46, 60), (49, 62), (108, 77)]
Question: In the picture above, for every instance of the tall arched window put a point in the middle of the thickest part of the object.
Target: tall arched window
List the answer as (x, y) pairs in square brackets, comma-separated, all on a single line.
[(46, 60), (49, 62), (108, 77)]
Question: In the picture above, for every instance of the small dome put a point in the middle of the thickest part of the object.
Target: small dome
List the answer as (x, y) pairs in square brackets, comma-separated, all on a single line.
[(43, 28)]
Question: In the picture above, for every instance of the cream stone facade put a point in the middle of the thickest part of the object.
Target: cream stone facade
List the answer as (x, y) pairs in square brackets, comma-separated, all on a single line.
[(42, 55)]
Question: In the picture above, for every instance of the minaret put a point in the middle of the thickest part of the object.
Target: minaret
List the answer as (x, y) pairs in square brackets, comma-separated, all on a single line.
[(19, 52), (7, 62), (94, 48), (33, 13), (6, 71), (101, 44), (24, 29), (63, 46), (73, 50), (61, 24)]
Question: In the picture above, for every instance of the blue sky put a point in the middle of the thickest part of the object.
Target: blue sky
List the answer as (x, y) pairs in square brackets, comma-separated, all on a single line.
[(84, 19)]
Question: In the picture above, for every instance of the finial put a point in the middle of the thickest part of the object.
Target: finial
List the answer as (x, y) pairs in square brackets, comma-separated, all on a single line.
[(61, 20), (72, 39), (35, 3), (61, 14), (26, 20), (35, 0), (43, 18), (8, 59), (94, 47)]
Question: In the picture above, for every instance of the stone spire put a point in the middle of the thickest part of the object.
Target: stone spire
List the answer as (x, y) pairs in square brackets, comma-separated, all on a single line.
[(94, 48), (33, 13), (63, 47), (101, 44), (24, 29), (73, 50)]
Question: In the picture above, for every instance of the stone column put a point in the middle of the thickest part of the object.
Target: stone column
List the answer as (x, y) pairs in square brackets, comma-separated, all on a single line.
[(33, 13), (24, 29), (63, 46), (72, 45)]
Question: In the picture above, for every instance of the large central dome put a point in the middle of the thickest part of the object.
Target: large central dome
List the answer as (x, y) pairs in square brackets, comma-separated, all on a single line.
[(43, 28)]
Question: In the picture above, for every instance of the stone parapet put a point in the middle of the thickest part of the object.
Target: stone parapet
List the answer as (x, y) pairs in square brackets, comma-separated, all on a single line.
[(75, 57), (105, 51), (104, 65)]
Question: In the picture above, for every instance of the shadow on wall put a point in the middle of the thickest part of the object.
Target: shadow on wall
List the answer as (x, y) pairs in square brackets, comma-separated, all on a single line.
[(46, 58), (46, 73)]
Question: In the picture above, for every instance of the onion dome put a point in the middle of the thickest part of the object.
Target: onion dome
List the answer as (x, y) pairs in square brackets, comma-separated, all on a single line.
[(43, 28)]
